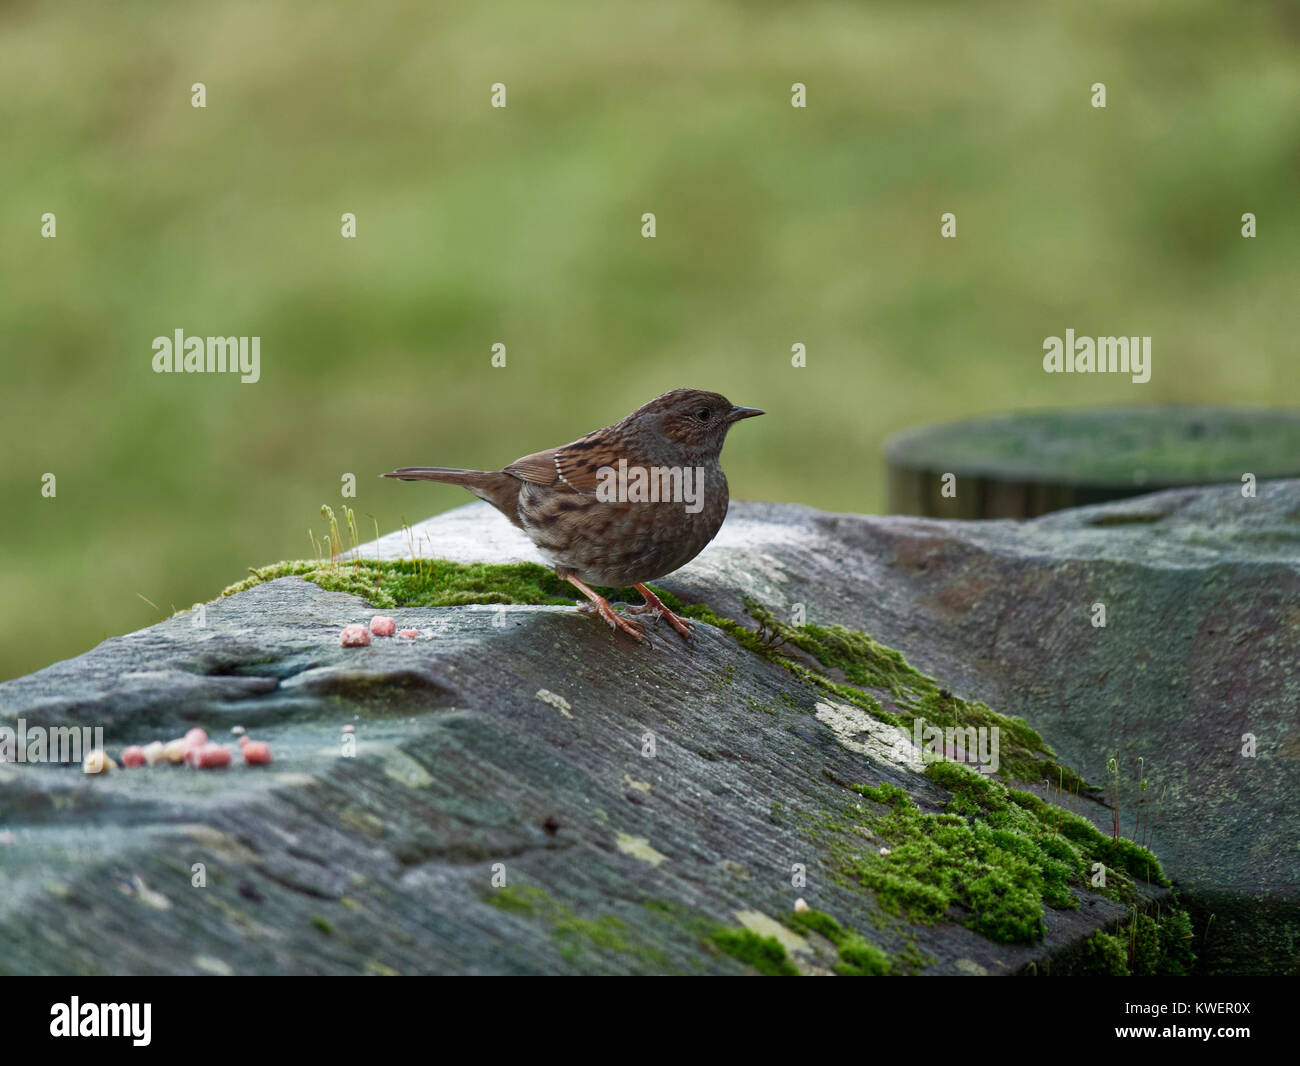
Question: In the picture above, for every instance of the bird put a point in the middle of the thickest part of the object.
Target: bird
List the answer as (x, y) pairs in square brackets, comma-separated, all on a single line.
[(621, 506)]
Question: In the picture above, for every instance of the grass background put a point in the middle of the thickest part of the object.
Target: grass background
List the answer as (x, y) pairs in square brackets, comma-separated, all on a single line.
[(522, 225)]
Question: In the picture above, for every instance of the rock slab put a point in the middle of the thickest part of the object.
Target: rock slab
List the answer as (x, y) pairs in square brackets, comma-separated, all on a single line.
[(651, 793)]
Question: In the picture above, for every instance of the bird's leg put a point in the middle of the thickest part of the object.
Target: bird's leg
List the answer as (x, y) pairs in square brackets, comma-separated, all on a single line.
[(654, 605), (601, 606)]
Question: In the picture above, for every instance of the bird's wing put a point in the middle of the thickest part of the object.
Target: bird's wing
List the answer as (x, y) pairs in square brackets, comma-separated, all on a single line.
[(573, 467)]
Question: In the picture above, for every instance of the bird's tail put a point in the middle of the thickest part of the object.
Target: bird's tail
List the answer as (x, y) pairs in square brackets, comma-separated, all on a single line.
[(497, 487), (450, 475)]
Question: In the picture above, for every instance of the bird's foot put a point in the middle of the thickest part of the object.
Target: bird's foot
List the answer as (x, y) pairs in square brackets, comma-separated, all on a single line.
[(602, 607), (655, 606), (606, 611)]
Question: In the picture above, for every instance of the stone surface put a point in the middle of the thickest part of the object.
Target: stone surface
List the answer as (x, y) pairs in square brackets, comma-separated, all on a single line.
[(1201, 648), (515, 736), (519, 744)]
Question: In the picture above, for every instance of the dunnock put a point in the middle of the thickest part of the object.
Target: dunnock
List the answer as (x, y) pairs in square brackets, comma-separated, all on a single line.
[(624, 504)]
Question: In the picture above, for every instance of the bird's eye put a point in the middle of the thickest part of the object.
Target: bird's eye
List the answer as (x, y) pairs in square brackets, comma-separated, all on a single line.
[(703, 414)]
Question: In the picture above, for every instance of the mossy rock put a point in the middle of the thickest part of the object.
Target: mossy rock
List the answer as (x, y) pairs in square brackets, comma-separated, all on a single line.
[(516, 797)]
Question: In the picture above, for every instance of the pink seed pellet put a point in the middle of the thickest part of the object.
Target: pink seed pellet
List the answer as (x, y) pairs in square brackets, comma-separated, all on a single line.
[(382, 626), (257, 753), (208, 757), (245, 740), (354, 636), (410, 633), (196, 738), (133, 756), (349, 728)]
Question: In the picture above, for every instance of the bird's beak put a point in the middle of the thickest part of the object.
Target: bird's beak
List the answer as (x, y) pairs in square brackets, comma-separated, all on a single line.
[(737, 413)]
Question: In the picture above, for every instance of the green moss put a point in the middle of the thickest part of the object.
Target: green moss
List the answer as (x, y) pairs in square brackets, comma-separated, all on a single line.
[(858, 957), (889, 795), (1159, 944), (910, 960), (1175, 933), (764, 953), (432, 582), (867, 664), (1104, 956), (819, 922), (606, 932), (517, 899), (1004, 805), (752, 641), (574, 935), (323, 924), (939, 861), (1146, 944), (1143, 946), (993, 858)]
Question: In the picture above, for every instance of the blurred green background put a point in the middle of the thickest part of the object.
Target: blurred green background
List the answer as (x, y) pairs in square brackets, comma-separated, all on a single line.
[(522, 225)]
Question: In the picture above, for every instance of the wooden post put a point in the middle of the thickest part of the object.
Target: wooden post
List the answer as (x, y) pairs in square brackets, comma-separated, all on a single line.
[(1028, 463)]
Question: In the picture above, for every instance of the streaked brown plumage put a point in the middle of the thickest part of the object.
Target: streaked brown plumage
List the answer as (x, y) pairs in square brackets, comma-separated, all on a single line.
[(561, 498)]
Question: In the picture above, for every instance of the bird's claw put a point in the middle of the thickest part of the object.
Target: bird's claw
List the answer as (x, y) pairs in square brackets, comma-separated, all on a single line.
[(616, 621), (683, 625)]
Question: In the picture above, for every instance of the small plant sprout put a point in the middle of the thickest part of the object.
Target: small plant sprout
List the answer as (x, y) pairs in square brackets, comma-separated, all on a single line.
[(410, 543), (379, 563), (354, 539), (1112, 781), (336, 542), (1137, 805), (1146, 814), (770, 636)]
